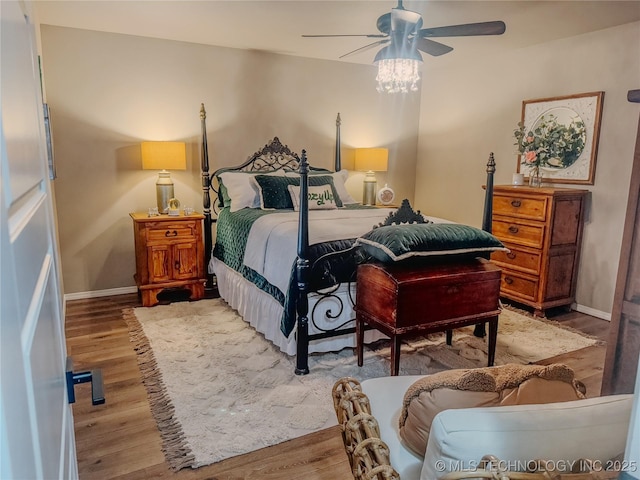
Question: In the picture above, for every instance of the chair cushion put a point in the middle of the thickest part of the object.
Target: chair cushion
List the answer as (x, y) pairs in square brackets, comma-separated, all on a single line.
[(480, 387), (561, 432)]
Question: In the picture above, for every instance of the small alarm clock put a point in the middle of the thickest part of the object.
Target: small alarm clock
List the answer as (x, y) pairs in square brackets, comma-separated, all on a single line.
[(386, 195), (174, 207)]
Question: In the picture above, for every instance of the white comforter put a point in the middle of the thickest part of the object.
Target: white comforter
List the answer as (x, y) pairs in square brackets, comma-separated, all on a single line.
[(272, 243), (271, 248)]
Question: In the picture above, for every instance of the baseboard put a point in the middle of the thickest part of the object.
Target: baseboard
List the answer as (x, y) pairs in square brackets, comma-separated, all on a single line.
[(591, 311), (100, 293)]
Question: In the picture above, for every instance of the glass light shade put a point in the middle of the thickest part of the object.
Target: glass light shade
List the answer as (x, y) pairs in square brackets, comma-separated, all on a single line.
[(398, 69)]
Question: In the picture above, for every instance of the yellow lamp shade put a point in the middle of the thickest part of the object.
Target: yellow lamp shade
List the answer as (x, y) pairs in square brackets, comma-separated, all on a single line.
[(372, 159), (163, 155)]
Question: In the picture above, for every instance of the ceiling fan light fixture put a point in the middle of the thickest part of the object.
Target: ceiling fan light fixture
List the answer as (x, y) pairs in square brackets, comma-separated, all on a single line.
[(398, 70)]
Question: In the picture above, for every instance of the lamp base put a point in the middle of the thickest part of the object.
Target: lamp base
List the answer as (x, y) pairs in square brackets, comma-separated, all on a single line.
[(369, 189), (164, 191)]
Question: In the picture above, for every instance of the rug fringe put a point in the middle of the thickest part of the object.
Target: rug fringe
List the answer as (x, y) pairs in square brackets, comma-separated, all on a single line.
[(174, 444), (559, 325)]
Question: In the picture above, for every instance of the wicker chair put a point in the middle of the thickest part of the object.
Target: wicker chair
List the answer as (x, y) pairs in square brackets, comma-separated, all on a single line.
[(376, 452)]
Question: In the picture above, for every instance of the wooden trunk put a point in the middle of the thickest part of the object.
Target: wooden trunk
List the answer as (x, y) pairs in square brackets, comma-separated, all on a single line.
[(403, 300)]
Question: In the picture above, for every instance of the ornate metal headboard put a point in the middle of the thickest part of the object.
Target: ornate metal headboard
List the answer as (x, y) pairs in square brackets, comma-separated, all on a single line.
[(273, 156)]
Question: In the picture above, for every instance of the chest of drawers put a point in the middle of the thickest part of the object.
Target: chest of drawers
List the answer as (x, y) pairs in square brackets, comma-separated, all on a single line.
[(542, 227), (169, 257)]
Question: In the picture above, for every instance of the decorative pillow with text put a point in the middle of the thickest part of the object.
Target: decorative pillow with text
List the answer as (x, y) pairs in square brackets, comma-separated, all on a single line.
[(274, 194), (320, 197)]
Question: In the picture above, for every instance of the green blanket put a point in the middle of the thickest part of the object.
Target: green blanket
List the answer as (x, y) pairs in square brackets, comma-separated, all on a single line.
[(231, 241)]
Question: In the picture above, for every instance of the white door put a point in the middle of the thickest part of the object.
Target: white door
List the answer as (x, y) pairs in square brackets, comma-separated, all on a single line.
[(36, 421)]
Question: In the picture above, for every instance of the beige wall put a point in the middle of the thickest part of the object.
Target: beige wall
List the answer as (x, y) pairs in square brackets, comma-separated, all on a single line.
[(472, 109), (109, 92)]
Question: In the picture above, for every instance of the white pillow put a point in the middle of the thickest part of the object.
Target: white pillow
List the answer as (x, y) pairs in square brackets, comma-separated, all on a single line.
[(242, 190), (320, 197), (339, 179)]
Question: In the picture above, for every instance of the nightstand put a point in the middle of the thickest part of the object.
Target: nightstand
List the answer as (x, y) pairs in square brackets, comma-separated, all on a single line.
[(169, 257)]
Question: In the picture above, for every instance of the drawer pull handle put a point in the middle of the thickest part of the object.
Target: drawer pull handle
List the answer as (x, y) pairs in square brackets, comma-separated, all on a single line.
[(508, 280), (171, 234), (516, 203), (513, 229), (511, 255)]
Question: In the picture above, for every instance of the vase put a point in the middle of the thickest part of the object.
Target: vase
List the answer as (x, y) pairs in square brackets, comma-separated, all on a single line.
[(535, 177)]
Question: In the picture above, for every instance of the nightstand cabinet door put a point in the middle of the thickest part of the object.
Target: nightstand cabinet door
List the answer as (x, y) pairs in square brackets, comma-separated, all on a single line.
[(542, 228), (185, 261), (159, 261), (169, 256)]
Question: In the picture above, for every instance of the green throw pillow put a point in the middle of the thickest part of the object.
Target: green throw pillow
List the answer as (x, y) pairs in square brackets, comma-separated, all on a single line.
[(398, 242), (274, 193)]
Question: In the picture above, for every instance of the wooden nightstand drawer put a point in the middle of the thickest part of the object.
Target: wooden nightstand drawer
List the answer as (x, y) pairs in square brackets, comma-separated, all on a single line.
[(530, 235), (521, 207), (164, 233), (519, 258)]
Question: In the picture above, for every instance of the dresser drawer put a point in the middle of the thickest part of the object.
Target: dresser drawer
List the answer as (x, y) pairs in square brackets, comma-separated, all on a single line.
[(516, 285), (521, 207), (519, 258), (518, 233), (168, 232)]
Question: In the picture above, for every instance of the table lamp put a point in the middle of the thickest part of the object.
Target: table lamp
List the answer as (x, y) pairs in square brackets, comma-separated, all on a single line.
[(371, 160), (163, 156)]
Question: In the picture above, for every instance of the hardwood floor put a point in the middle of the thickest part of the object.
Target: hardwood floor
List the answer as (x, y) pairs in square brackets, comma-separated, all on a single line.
[(120, 439)]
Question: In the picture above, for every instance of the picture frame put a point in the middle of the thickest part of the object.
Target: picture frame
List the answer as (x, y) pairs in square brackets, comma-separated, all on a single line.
[(585, 107)]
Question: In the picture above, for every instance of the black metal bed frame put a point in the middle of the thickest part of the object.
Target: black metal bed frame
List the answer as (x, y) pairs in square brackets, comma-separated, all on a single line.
[(273, 156)]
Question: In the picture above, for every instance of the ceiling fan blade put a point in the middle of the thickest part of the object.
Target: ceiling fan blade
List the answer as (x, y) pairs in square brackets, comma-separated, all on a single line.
[(371, 35), (466, 30), (366, 47), (434, 49)]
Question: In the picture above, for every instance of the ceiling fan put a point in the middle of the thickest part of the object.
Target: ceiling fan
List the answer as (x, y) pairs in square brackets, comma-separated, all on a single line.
[(402, 30)]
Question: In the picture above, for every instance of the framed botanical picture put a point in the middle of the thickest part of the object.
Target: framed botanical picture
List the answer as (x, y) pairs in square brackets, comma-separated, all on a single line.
[(557, 138)]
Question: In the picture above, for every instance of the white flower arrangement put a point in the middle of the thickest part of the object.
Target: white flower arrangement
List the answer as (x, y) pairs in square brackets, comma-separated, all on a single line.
[(550, 144)]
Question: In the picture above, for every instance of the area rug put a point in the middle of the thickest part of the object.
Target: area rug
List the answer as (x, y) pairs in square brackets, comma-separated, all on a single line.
[(218, 389)]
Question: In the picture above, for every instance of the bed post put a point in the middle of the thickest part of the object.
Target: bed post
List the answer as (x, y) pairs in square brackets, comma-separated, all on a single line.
[(487, 217), (488, 197), (206, 198), (338, 161), (302, 272)]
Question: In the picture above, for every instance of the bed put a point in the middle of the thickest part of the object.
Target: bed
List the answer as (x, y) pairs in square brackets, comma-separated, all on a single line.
[(288, 266)]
